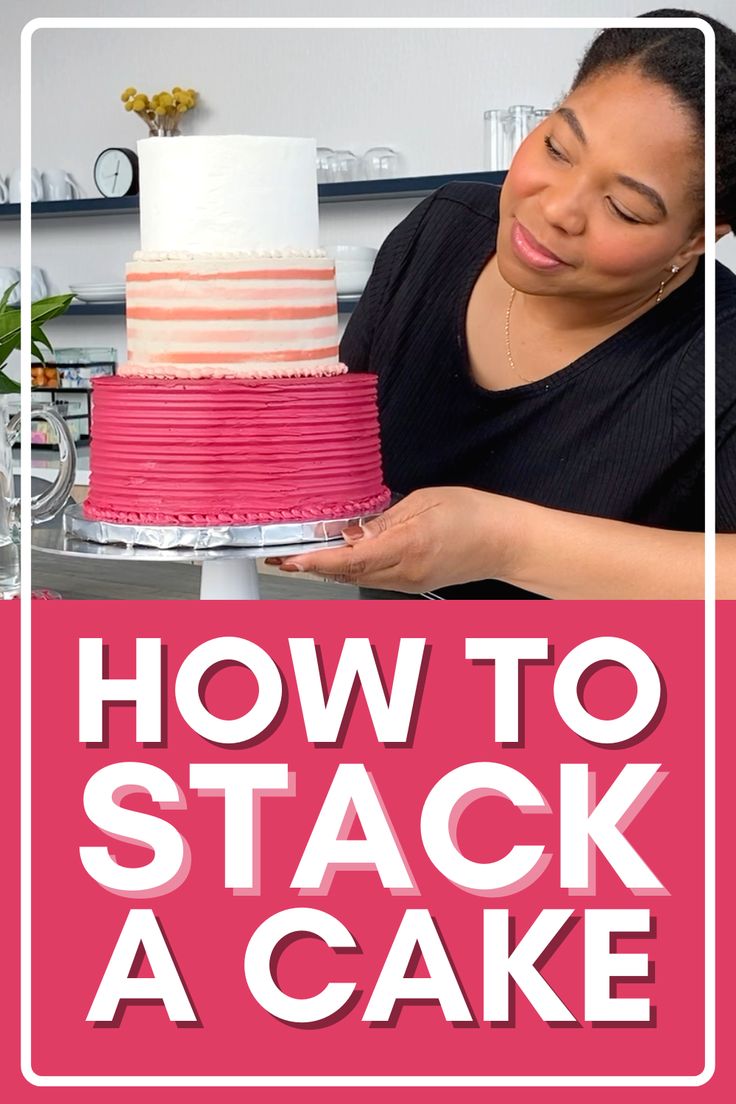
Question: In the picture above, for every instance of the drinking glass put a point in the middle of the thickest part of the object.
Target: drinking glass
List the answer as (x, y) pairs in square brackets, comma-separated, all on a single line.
[(380, 162), (517, 124), (495, 155), (347, 165), (325, 165)]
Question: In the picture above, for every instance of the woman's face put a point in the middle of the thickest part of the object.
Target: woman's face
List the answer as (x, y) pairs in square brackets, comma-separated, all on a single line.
[(605, 185)]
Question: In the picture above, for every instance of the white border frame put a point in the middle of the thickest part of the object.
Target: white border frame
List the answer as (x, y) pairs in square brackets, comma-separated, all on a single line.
[(708, 1070)]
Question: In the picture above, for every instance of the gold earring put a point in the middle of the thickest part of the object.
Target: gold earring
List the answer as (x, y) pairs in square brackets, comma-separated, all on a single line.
[(674, 269)]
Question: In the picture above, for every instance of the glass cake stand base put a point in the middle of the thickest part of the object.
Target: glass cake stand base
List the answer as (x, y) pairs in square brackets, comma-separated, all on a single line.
[(228, 555)]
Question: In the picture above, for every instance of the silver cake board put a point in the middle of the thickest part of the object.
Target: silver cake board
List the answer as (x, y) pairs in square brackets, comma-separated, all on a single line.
[(228, 554), (265, 536)]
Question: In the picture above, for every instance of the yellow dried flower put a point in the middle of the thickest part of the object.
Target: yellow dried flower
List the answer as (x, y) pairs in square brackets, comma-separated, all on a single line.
[(160, 106)]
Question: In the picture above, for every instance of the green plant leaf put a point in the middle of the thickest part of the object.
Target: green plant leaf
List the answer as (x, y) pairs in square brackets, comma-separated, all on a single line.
[(10, 322), (44, 309), (6, 295), (38, 335), (41, 311), (7, 345), (7, 385)]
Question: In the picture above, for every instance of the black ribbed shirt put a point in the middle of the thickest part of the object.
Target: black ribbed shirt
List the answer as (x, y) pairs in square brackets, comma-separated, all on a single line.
[(617, 433)]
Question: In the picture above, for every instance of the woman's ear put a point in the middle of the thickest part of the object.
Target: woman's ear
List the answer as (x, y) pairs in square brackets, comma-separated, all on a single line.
[(696, 246)]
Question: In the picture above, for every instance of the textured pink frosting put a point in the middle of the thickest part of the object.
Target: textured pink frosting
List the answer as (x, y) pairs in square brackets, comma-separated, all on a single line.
[(223, 452)]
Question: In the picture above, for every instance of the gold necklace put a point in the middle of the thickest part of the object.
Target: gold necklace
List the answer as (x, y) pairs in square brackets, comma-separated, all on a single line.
[(507, 328), (674, 269)]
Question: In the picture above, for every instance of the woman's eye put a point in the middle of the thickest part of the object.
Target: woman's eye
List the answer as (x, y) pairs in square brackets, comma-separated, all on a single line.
[(622, 215), (560, 156), (552, 149)]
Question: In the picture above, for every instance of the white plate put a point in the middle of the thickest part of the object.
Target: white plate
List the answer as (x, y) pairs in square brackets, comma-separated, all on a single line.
[(344, 253), (101, 296), (101, 283), (117, 292), (83, 289)]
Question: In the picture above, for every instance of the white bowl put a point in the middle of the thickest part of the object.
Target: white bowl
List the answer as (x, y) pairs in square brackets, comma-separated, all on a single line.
[(351, 253), (352, 276)]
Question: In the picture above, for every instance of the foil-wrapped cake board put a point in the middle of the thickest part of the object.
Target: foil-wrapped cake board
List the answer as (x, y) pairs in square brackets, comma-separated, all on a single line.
[(205, 537)]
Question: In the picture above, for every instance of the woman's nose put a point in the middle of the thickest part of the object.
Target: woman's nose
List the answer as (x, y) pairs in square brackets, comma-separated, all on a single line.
[(564, 208)]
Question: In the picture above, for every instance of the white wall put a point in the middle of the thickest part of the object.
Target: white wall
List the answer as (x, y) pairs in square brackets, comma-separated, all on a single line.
[(421, 91)]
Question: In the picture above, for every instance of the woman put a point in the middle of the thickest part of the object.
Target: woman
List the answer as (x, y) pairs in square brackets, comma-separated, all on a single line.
[(540, 351)]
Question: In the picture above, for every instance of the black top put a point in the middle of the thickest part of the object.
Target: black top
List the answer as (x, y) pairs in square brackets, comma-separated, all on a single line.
[(617, 433)]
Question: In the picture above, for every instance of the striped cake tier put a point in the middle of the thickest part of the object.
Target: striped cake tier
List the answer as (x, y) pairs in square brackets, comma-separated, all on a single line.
[(231, 317), (234, 452)]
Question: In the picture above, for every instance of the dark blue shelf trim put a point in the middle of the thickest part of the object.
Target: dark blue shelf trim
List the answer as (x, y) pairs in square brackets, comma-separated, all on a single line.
[(95, 308), (344, 306), (400, 187), (72, 208), (403, 187)]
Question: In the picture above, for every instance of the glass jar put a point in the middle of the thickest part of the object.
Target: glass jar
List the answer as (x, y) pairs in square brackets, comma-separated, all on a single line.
[(494, 140), (518, 122)]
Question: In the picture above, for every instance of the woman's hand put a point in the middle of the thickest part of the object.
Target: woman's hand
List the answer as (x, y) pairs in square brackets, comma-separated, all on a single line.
[(441, 536), (433, 537)]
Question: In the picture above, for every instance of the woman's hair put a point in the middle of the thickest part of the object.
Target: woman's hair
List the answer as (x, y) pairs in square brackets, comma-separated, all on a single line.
[(676, 58)]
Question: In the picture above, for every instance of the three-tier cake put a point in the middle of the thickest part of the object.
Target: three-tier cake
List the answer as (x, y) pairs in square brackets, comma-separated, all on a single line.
[(232, 408)]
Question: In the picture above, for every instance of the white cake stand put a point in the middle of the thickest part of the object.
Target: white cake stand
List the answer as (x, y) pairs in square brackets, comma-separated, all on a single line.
[(228, 554)]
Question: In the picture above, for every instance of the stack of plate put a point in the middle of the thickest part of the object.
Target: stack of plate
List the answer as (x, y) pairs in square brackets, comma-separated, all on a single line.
[(353, 266), (99, 293)]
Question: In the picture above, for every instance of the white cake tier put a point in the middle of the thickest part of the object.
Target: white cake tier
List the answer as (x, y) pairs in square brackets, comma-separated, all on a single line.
[(225, 254), (210, 193), (231, 317)]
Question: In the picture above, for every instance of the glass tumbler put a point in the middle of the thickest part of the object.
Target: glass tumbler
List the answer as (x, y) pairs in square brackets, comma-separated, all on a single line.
[(347, 165), (325, 165), (380, 162), (495, 156), (517, 124)]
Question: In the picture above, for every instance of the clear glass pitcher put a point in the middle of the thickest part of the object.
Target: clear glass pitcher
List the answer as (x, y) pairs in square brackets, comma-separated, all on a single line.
[(44, 506)]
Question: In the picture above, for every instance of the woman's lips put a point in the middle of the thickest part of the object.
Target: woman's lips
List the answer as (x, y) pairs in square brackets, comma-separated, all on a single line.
[(529, 250)]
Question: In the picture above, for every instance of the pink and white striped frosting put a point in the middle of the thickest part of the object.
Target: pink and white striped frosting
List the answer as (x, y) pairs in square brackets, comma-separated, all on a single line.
[(244, 316)]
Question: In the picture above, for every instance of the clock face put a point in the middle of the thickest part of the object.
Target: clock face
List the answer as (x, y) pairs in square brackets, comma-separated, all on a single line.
[(114, 172)]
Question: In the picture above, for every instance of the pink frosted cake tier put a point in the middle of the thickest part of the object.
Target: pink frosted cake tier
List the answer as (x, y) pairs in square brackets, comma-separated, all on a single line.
[(234, 452), (231, 316)]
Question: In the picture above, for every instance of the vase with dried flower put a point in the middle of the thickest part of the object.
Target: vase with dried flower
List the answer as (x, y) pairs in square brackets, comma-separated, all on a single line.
[(163, 112)]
